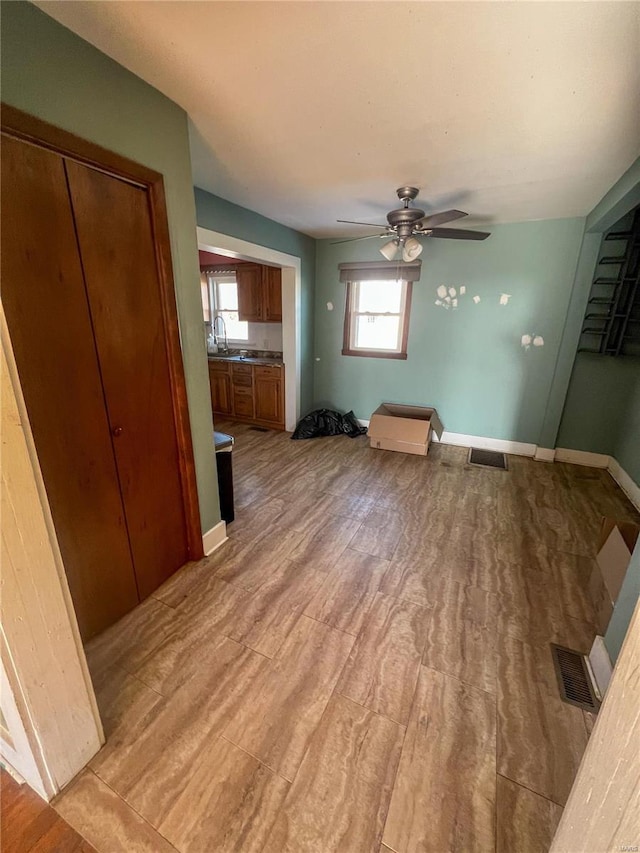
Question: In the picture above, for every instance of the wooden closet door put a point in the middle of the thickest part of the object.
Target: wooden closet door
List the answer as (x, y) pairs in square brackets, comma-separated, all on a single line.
[(115, 236), (50, 328)]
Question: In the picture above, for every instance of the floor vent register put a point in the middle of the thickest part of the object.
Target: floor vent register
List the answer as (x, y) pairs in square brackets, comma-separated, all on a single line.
[(487, 459), (574, 682)]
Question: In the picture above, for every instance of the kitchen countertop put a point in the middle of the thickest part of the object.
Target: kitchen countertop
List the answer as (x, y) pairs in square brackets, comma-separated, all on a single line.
[(236, 359)]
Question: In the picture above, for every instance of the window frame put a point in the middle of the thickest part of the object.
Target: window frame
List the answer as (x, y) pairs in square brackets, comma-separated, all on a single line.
[(349, 325), (213, 280)]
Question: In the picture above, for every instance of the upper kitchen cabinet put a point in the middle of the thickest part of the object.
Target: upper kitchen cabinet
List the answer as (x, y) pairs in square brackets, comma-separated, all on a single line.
[(259, 293), (272, 292)]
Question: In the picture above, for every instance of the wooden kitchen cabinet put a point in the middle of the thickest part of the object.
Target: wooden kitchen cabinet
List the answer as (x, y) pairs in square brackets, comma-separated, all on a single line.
[(272, 294), (250, 300), (259, 293), (220, 382), (250, 393), (269, 399)]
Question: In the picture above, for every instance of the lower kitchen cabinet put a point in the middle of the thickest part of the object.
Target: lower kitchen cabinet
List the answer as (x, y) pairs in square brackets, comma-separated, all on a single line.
[(250, 393), (220, 382), (267, 391)]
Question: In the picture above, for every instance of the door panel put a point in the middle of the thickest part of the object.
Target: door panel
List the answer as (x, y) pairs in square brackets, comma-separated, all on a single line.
[(50, 327), (118, 256)]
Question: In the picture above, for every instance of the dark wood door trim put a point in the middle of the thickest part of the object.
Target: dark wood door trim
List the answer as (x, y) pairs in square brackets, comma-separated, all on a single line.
[(28, 128)]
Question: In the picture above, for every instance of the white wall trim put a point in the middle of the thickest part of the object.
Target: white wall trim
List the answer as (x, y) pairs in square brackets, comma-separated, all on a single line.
[(544, 454), (458, 439), (233, 247), (214, 538), (582, 457), (628, 486), (600, 665)]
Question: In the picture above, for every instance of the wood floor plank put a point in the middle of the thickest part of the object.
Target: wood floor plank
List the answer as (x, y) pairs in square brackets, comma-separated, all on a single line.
[(238, 801), (105, 820), (540, 738), (461, 648), (194, 638), (322, 549), (250, 569), (383, 667), (341, 793), (280, 713), (28, 824), (265, 621), (379, 534), (444, 794), (348, 591), (149, 767), (131, 639), (526, 821)]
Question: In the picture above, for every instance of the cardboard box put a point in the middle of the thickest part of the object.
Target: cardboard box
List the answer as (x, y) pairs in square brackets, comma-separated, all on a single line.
[(406, 429), (615, 546)]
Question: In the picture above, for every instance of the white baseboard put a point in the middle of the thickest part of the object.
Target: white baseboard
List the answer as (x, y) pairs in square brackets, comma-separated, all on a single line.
[(600, 665), (582, 457), (544, 454), (628, 486), (214, 538), (458, 439)]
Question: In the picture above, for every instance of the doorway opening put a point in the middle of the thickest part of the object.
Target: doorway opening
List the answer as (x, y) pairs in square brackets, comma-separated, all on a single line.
[(236, 251)]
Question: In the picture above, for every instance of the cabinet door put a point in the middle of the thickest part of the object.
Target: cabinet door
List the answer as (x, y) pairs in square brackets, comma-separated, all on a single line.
[(115, 237), (272, 291), (268, 400), (49, 324), (250, 301), (220, 392)]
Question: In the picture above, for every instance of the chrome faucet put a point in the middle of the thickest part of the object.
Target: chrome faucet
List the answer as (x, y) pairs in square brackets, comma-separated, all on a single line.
[(224, 332)]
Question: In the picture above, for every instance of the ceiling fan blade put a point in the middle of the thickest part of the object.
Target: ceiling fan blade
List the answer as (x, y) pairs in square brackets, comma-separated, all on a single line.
[(441, 218), (353, 239), (369, 224), (459, 234)]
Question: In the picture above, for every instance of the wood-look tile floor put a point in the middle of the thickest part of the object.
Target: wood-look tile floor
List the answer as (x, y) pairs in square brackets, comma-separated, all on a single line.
[(363, 666)]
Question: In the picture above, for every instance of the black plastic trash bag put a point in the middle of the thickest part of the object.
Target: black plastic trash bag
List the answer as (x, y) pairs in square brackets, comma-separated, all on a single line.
[(325, 422)]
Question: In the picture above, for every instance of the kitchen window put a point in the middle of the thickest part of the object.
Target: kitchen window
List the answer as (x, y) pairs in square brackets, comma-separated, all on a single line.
[(222, 299), (377, 308)]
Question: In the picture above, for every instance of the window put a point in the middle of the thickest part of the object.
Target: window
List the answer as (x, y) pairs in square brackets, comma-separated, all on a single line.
[(223, 297), (376, 322)]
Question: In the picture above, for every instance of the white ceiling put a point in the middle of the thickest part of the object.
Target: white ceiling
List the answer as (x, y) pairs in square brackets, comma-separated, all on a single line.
[(311, 111)]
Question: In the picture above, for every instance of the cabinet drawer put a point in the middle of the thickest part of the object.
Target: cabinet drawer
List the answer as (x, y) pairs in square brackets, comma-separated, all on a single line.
[(243, 403), (241, 370), (270, 372), (219, 366), (242, 380), (242, 391)]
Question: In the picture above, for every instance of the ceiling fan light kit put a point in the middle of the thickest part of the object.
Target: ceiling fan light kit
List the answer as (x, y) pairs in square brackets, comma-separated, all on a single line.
[(407, 223)]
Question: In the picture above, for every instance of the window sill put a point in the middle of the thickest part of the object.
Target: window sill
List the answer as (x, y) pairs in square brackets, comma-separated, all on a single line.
[(375, 354)]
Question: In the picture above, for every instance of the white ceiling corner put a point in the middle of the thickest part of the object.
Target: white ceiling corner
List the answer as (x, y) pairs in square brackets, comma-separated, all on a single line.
[(311, 111)]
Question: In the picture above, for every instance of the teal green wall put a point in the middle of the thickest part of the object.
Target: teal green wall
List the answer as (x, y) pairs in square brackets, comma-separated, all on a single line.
[(467, 363), (217, 214), (602, 409), (51, 73)]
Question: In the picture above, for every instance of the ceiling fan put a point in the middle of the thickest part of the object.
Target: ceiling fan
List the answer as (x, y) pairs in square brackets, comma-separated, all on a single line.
[(407, 223)]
